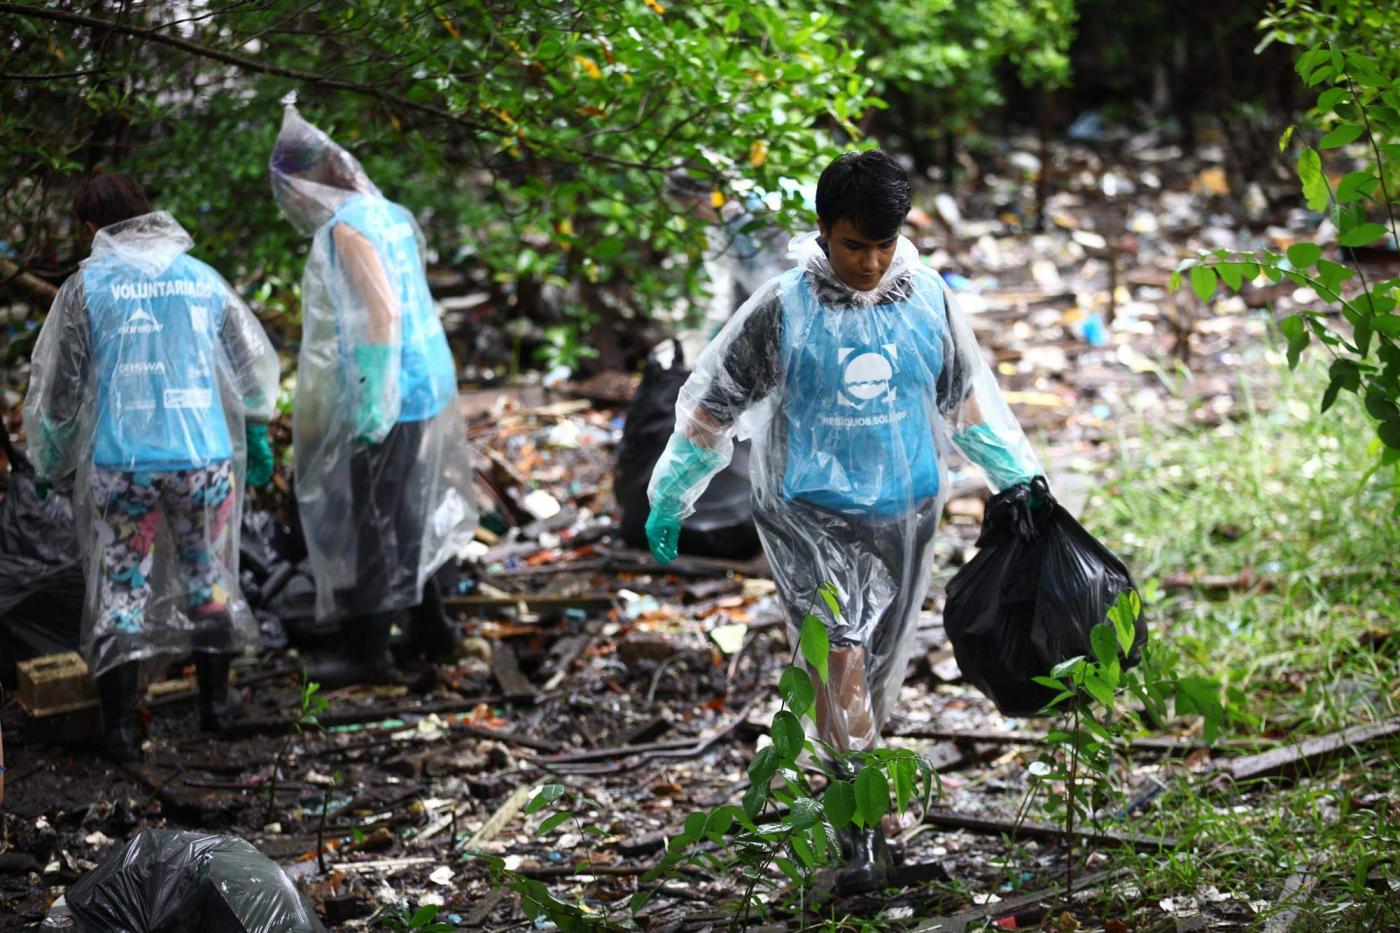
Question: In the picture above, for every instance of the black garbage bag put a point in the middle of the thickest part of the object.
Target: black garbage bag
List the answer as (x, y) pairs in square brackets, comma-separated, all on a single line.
[(41, 575), (164, 881), (722, 525), (1028, 600)]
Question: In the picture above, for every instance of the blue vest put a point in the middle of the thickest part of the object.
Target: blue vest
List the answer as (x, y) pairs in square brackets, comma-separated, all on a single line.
[(859, 389), (427, 375), (156, 353)]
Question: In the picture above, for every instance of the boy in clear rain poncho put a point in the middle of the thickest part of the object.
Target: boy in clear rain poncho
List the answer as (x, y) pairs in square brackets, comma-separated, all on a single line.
[(383, 470), (853, 373), (153, 383)]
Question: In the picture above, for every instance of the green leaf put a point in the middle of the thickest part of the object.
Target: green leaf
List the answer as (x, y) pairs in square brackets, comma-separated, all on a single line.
[(544, 797), (872, 795), (1105, 644), (1360, 236), (764, 765), (1297, 336), (1389, 433), (1285, 138), (1381, 408), (815, 645), (1329, 98), (754, 799), (1049, 682), (1231, 273), (1343, 134), (903, 771), (831, 598), (802, 849), (789, 868), (839, 801), (1303, 255), (425, 914), (1315, 188), (795, 687), (1356, 185), (1388, 324), (804, 812), (1332, 274), (1203, 282), (1066, 666), (1098, 689), (787, 736), (551, 822)]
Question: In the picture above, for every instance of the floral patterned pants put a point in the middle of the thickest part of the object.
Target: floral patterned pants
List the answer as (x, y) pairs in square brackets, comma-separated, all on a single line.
[(198, 506)]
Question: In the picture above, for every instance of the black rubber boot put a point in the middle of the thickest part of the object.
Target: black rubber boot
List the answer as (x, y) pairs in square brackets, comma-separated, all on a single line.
[(116, 692), (364, 657), (219, 704), (869, 866), (431, 634)]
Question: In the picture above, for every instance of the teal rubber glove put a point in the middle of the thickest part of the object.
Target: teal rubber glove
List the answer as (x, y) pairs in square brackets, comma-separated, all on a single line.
[(259, 454), (664, 536), (683, 466), (986, 449), (372, 423), (55, 448)]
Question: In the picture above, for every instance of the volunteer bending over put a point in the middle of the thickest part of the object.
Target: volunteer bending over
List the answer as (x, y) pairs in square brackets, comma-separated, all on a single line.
[(853, 373)]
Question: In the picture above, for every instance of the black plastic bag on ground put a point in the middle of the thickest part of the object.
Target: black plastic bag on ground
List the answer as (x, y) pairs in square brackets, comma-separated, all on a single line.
[(181, 882), (722, 525), (41, 576), (1029, 599)]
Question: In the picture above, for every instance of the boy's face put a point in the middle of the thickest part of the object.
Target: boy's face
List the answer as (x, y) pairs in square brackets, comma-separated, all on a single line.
[(858, 261)]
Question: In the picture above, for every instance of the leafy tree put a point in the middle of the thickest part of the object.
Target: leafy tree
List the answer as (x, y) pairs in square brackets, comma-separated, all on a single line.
[(1354, 127), (533, 137)]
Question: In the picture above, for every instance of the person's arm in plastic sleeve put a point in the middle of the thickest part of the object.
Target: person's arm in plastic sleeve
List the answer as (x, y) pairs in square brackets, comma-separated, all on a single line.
[(734, 372), (980, 422), (255, 374), (376, 342), (58, 385)]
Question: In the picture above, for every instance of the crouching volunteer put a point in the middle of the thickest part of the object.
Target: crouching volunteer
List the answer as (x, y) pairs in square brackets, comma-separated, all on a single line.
[(853, 372), (152, 385), (384, 480)]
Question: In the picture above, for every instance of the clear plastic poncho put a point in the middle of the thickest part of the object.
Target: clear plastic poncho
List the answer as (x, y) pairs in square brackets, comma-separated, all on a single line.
[(384, 477), (853, 401), (143, 375)]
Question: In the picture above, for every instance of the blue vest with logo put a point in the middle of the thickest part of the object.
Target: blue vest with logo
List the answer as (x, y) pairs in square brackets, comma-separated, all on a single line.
[(156, 352), (427, 375), (859, 386)]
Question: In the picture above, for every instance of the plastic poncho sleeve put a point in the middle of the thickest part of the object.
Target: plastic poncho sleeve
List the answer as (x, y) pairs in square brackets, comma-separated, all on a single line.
[(980, 423), (58, 384), (251, 357), (372, 327), (736, 371)]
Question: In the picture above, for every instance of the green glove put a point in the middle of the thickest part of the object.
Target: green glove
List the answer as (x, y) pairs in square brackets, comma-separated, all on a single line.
[(55, 447), (372, 422), (259, 454), (984, 447), (683, 466)]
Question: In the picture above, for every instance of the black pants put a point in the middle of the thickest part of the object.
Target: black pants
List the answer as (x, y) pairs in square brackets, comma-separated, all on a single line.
[(388, 489)]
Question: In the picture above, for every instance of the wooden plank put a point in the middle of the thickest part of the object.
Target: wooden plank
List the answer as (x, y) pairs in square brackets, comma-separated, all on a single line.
[(1289, 760), (1032, 829), (1165, 745), (499, 820), (534, 603)]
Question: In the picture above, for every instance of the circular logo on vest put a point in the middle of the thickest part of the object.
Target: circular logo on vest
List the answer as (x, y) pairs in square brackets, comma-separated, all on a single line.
[(866, 377)]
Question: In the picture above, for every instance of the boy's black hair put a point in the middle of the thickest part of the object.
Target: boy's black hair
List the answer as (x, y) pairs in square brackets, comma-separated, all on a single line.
[(869, 188), (105, 199)]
